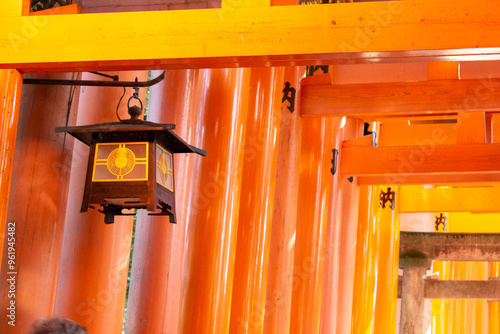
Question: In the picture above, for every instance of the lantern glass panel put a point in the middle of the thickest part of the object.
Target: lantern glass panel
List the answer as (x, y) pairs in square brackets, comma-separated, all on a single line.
[(120, 162), (164, 168)]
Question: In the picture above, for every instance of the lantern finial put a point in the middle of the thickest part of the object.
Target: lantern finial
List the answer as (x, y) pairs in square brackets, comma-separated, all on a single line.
[(135, 111)]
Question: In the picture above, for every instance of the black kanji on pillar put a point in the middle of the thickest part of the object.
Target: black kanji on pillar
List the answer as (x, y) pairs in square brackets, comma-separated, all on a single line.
[(289, 95), (389, 196), (441, 219)]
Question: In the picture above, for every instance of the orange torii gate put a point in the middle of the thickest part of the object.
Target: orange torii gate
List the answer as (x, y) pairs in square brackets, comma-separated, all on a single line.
[(264, 36)]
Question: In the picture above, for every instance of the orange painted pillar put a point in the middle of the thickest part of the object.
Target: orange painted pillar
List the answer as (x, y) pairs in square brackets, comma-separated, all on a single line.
[(281, 253), (374, 308), (477, 310), (200, 91), (256, 203), (332, 245), (441, 308), (94, 262), (468, 316), (346, 238), (10, 99), (387, 264), (462, 316), (365, 276), (459, 316), (155, 282), (207, 302), (312, 216), (494, 307), (37, 204)]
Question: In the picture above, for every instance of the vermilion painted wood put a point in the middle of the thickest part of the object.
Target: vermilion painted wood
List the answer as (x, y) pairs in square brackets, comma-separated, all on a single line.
[(14, 7), (365, 276), (248, 302), (427, 159), (312, 216), (386, 262), (92, 280), (471, 313), (281, 251), (401, 98), (286, 199), (332, 245), (207, 302), (347, 236), (10, 97), (480, 199), (446, 31), (494, 306), (37, 202), (374, 307), (468, 316), (440, 179), (494, 271)]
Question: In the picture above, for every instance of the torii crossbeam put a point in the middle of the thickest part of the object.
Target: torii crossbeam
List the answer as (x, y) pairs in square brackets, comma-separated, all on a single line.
[(392, 31)]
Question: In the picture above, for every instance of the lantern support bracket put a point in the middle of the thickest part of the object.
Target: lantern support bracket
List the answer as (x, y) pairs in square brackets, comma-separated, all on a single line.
[(166, 210), (111, 210), (95, 83)]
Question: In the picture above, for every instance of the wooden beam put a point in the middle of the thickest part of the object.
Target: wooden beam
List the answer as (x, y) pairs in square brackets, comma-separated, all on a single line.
[(465, 163), (14, 7), (368, 32), (438, 289), (401, 98), (448, 247), (447, 289), (443, 179), (457, 199)]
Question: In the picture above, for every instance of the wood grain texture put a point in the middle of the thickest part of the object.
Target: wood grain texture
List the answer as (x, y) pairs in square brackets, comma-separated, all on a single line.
[(401, 98), (423, 164), (368, 32)]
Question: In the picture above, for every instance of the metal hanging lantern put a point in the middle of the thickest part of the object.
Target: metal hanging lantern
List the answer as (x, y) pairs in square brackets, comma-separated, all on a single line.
[(131, 164)]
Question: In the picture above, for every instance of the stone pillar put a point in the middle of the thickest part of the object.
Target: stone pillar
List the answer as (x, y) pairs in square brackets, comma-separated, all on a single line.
[(412, 296)]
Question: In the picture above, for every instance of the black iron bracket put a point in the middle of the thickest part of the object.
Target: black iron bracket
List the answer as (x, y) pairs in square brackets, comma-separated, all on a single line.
[(112, 77), (166, 210), (110, 211), (96, 83), (373, 133), (334, 161)]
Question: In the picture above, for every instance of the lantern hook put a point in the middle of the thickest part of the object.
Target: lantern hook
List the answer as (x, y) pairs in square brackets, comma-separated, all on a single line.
[(133, 111)]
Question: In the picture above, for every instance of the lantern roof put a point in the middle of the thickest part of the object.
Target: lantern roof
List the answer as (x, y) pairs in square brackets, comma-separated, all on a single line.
[(178, 145)]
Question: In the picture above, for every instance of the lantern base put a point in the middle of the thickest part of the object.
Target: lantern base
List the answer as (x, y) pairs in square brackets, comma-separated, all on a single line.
[(111, 210), (166, 210)]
